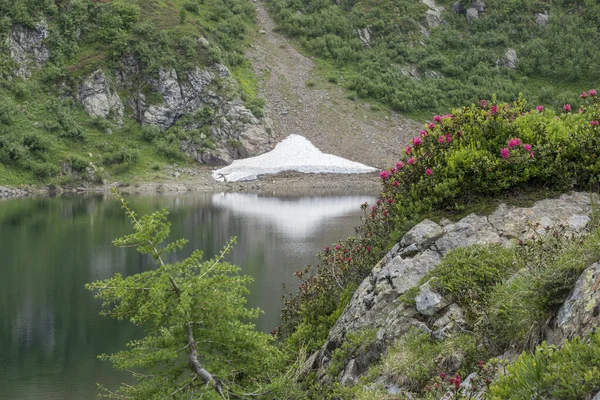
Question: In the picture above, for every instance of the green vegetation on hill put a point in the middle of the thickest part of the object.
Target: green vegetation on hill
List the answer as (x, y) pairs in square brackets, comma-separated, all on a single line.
[(43, 128), (457, 63)]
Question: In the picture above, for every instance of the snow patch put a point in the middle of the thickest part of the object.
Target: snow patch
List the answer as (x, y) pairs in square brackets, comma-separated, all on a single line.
[(295, 153)]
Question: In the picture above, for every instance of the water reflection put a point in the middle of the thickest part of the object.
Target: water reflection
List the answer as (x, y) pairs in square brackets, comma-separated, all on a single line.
[(50, 331)]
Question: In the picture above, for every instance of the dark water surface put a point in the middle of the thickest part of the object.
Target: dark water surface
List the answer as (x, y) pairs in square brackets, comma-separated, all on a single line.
[(50, 331)]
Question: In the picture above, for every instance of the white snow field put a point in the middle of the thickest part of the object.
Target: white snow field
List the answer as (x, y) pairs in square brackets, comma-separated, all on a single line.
[(294, 153)]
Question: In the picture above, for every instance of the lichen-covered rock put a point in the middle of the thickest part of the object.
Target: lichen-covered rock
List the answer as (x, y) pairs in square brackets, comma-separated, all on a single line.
[(473, 229), (511, 222), (422, 235), (26, 47), (580, 313), (98, 99)]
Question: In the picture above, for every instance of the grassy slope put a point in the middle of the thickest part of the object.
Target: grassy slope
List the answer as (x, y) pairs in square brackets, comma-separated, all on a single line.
[(464, 54)]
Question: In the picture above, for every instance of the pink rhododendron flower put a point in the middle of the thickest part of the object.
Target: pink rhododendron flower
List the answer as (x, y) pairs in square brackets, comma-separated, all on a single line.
[(593, 92), (410, 161), (384, 175), (514, 142), (483, 103), (416, 141), (448, 137), (431, 126), (594, 123), (583, 95), (399, 165), (527, 147), (337, 246), (428, 171), (437, 118), (396, 183), (442, 139), (540, 108), (504, 153), (423, 133), (392, 170), (494, 109), (581, 110), (567, 108), (408, 150), (531, 155)]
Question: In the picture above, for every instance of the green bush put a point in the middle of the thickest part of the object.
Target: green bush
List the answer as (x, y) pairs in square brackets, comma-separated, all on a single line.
[(571, 372)]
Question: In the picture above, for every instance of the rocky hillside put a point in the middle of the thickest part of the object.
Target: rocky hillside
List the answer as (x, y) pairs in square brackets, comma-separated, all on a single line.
[(93, 89), (371, 351)]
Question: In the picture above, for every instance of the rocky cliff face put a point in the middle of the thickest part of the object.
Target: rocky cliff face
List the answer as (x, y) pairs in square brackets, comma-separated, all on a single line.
[(237, 133), (376, 305), (26, 47)]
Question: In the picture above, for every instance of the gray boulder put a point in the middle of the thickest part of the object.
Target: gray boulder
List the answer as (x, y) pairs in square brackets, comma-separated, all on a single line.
[(479, 5), (542, 19), (26, 47), (458, 8), (98, 99), (433, 16), (472, 14), (510, 59)]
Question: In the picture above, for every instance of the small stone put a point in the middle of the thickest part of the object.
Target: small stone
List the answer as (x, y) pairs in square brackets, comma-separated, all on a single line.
[(429, 302)]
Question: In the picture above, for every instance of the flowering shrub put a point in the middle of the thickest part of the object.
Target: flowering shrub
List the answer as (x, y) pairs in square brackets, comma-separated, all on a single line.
[(486, 149)]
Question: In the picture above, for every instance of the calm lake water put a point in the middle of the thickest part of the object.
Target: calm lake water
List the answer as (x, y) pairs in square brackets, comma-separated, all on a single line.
[(50, 331)]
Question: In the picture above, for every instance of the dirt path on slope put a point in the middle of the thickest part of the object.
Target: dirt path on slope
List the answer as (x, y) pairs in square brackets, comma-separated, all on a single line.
[(299, 101)]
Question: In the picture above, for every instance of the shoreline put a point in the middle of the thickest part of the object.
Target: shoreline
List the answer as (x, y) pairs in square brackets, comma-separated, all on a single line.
[(184, 180)]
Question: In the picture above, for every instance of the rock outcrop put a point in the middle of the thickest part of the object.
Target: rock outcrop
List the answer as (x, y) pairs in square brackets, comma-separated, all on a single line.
[(510, 59), (26, 47), (580, 313), (165, 98), (98, 99), (542, 19), (433, 16), (376, 304)]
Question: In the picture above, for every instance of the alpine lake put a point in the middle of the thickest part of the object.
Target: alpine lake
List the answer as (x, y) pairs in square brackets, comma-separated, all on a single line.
[(50, 247)]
